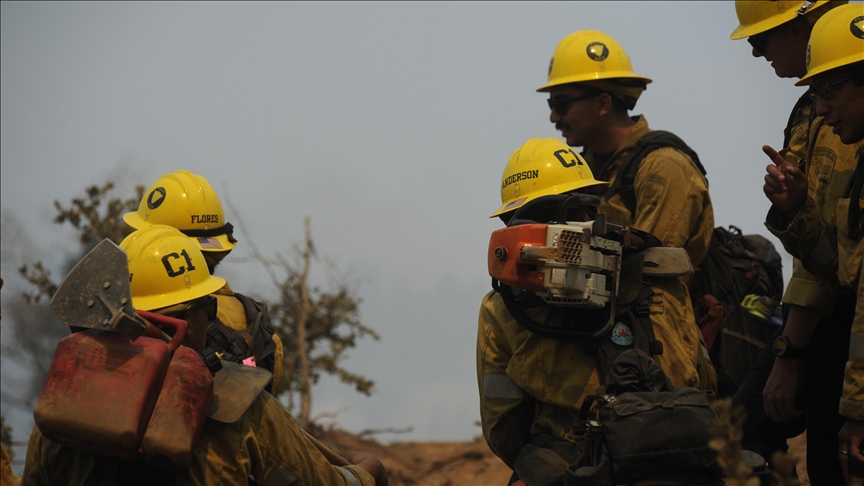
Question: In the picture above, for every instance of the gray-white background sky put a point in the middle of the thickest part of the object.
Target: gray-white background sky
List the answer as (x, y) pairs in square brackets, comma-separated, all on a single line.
[(389, 124)]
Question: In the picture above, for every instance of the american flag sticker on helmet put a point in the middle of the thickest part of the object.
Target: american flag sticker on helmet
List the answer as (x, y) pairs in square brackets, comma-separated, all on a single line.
[(209, 243)]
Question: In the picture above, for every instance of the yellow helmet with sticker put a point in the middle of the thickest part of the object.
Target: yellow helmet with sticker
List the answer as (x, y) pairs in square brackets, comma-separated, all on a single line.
[(836, 40), (758, 16), (166, 268), (185, 201), (542, 167), (589, 55)]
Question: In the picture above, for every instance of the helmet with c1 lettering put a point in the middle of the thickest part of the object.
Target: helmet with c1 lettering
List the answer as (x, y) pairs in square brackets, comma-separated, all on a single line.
[(541, 167), (185, 201), (758, 16), (836, 40), (166, 268)]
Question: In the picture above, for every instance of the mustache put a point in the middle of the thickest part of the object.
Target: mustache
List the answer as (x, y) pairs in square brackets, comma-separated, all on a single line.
[(562, 126)]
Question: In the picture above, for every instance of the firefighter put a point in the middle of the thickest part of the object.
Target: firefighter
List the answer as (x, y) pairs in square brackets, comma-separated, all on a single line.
[(265, 444), (591, 88), (518, 370), (828, 240), (186, 201), (785, 391)]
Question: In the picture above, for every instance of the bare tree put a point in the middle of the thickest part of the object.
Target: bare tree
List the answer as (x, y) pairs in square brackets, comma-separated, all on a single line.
[(96, 217), (35, 327), (309, 319), (95, 220)]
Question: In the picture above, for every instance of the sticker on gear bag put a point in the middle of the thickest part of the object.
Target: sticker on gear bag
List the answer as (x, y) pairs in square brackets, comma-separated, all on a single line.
[(621, 334)]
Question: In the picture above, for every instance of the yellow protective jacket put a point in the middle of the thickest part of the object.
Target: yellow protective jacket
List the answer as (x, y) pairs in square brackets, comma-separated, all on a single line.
[(829, 164), (265, 443), (809, 237), (672, 199), (6, 476), (230, 311), (518, 370)]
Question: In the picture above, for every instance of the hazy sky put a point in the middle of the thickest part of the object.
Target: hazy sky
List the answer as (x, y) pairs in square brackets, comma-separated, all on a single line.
[(389, 124)]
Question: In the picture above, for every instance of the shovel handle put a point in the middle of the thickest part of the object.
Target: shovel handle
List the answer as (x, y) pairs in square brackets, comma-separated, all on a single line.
[(179, 326)]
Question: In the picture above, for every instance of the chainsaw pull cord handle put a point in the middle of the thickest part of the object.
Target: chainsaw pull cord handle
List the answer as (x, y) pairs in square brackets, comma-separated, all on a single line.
[(179, 326)]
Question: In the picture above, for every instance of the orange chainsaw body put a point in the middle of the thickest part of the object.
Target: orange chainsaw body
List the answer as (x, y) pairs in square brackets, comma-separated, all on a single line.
[(505, 260)]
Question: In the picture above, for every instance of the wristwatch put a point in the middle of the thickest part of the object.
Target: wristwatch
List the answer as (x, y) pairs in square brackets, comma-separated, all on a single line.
[(783, 349)]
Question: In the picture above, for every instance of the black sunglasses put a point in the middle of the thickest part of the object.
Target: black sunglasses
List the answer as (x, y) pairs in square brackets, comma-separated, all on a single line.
[(561, 104), (826, 90), (758, 41)]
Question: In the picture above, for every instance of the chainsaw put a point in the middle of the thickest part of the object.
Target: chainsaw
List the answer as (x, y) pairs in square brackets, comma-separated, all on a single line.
[(573, 264)]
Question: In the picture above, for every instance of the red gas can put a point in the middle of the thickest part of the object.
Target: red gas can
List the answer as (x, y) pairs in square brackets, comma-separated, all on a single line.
[(100, 391), (181, 409), (111, 396)]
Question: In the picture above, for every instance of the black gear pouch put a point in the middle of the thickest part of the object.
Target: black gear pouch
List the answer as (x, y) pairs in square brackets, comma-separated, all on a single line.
[(644, 427)]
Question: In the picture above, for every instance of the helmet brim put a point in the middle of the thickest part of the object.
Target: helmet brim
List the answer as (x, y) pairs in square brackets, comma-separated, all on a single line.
[(152, 302), (592, 77), (518, 203), (218, 243), (834, 64), (134, 220)]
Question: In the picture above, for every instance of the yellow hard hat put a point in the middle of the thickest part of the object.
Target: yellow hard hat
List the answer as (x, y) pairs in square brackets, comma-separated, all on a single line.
[(757, 16), (166, 268), (836, 40), (588, 55), (542, 167), (185, 201)]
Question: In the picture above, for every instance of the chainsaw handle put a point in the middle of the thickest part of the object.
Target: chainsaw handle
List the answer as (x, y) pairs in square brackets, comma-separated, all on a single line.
[(584, 202), (179, 326), (543, 330)]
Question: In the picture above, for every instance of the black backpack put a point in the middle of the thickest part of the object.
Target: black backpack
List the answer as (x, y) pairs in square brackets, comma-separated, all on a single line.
[(256, 340), (736, 299), (736, 266)]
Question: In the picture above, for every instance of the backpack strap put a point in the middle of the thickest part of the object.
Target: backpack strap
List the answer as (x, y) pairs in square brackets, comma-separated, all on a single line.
[(259, 333), (227, 341), (649, 142), (256, 340), (637, 316)]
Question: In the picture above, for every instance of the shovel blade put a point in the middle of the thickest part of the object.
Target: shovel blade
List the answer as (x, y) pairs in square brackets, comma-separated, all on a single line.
[(96, 295)]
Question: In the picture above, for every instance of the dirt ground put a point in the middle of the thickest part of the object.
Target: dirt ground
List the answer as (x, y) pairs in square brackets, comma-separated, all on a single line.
[(459, 463), (428, 463)]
